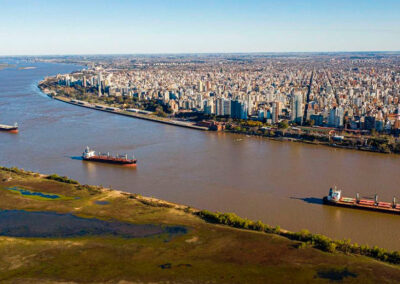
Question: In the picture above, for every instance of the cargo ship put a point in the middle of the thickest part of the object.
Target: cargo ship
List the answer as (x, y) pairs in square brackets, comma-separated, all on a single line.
[(335, 198), (91, 155), (9, 128)]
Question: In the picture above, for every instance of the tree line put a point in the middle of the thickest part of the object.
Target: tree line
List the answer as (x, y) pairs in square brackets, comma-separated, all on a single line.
[(317, 241)]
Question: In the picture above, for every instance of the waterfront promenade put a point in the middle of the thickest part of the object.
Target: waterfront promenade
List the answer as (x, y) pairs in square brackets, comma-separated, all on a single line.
[(130, 114)]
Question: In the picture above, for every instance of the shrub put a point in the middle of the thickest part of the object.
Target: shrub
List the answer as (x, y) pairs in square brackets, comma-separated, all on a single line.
[(13, 170), (304, 236), (63, 179)]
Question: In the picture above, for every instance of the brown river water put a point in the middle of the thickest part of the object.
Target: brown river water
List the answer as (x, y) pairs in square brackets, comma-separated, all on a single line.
[(280, 183)]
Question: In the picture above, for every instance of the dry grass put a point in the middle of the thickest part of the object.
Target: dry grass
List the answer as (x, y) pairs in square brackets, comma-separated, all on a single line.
[(207, 253)]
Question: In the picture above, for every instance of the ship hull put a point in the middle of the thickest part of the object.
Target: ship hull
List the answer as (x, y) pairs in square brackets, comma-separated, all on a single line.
[(361, 207), (111, 161), (9, 129)]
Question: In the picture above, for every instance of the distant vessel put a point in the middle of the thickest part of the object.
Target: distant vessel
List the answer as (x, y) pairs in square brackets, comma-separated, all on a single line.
[(90, 155), (9, 128), (335, 198)]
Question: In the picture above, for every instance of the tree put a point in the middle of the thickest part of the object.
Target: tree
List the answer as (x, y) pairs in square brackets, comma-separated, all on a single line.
[(283, 124), (160, 112)]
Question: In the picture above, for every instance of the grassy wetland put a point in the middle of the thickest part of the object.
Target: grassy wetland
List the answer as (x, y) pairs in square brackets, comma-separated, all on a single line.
[(156, 241)]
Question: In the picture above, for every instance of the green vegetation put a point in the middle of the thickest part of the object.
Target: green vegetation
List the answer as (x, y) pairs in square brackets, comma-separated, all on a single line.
[(207, 253), (315, 240), (283, 124), (62, 179), (375, 142), (14, 170), (90, 95)]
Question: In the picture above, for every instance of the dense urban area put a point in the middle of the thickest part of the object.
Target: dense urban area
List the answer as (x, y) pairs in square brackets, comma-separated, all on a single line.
[(348, 100)]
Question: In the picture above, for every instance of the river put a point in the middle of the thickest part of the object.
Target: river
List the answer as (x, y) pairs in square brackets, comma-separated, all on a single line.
[(280, 183)]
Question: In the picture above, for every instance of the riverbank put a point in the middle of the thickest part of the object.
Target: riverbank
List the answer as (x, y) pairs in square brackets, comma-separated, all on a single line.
[(232, 250), (153, 118), (337, 138), (114, 110), (118, 111), (375, 144)]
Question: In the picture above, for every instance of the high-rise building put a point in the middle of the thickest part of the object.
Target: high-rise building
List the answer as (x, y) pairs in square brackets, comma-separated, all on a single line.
[(207, 108), (249, 104), (318, 119), (297, 108), (100, 79), (336, 116), (219, 103), (227, 107), (166, 97), (239, 109), (200, 86), (275, 112), (369, 123)]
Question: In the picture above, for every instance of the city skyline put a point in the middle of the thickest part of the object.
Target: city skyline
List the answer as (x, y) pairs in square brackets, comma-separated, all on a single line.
[(132, 27)]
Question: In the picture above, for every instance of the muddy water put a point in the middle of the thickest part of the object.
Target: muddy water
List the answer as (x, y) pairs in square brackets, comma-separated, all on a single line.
[(280, 183)]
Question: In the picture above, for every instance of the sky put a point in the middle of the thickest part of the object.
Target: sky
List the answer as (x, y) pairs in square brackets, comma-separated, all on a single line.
[(55, 27)]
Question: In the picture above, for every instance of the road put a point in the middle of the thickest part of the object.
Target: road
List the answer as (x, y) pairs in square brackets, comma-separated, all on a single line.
[(308, 98)]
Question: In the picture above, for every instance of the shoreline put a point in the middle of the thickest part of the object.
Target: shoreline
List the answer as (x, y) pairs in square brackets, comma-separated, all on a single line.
[(316, 143), (172, 122), (118, 111), (303, 238), (152, 240)]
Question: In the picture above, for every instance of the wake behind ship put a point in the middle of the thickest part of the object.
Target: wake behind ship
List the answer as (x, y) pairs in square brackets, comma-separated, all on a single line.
[(90, 155)]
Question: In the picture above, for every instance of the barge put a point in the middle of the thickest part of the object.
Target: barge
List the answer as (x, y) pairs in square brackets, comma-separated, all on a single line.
[(9, 128), (335, 198), (91, 155)]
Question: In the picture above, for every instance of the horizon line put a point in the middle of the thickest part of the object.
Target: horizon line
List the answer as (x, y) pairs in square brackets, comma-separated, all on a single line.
[(199, 53)]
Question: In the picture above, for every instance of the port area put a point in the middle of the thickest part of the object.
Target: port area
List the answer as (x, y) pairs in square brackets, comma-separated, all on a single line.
[(364, 204), (130, 114)]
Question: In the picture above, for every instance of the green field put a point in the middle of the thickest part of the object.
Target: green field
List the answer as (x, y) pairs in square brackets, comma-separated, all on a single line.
[(207, 253)]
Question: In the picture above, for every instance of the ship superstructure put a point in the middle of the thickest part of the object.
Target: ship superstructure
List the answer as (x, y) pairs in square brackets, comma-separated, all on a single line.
[(9, 128)]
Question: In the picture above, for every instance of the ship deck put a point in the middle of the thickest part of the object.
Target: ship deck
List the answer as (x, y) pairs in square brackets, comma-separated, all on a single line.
[(364, 204), (7, 127)]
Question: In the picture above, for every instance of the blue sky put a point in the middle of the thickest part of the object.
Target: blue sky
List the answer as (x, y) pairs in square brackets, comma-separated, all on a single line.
[(185, 26)]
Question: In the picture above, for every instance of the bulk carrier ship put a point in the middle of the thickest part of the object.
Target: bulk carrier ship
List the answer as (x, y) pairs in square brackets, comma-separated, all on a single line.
[(90, 155), (335, 198), (9, 128)]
